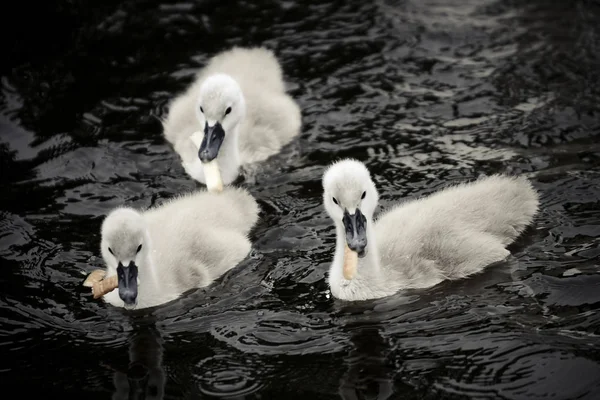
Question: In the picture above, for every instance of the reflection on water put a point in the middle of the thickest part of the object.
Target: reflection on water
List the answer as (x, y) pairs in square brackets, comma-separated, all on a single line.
[(144, 376), (425, 92), (369, 374)]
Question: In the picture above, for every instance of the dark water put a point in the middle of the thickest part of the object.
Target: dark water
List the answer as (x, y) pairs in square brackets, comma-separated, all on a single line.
[(425, 92)]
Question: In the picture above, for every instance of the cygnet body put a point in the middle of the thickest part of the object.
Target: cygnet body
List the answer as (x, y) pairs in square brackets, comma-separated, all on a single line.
[(185, 243), (238, 108), (451, 234)]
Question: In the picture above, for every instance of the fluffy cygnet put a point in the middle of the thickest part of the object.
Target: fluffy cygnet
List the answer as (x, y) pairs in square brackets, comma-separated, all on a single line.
[(186, 243), (451, 234), (235, 113)]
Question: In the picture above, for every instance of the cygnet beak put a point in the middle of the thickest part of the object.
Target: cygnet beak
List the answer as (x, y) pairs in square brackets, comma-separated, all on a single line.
[(128, 286), (211, 143), (356, 232)]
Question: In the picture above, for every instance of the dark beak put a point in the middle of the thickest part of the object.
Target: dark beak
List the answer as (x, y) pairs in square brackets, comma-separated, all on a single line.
[(211, 143), (356, 232), (128, 288)]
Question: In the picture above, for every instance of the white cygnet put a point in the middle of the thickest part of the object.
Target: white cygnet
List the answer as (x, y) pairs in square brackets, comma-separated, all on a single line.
[(185, 243), (450, 234), (235, 113)]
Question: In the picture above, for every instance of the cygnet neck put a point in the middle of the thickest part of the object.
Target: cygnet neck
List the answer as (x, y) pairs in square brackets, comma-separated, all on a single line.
[(229, 156), (149, 274)]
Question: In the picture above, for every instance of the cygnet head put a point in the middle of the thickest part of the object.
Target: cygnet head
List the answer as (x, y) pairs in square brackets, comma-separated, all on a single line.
[(123, 236), (350, 198), (220, 109)]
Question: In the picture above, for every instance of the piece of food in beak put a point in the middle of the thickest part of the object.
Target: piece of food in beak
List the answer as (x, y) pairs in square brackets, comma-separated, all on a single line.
[(214, 182), (105, 286), (95, 276), (99, 285), (350, 263)]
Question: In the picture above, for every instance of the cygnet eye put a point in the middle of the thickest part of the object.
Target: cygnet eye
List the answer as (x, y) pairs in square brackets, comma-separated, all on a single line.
[(228, 110), (111, 252), (201, 110), (139, 248), (335, 201), (363, 195)]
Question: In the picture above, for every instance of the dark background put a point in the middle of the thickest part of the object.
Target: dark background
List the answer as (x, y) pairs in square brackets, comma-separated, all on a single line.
[(426, 93)]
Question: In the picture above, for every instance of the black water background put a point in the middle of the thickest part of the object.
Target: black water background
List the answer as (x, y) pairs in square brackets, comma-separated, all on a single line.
[(425, 92)]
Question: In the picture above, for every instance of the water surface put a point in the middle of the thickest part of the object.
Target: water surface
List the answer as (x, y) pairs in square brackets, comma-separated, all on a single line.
[(427, 93)]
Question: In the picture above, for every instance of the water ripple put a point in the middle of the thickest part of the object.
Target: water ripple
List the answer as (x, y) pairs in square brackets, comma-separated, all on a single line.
[(426, 93)]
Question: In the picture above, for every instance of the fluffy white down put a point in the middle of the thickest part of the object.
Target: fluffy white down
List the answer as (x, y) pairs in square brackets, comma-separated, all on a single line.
[(187, 242), (450, 234), (262, 120)]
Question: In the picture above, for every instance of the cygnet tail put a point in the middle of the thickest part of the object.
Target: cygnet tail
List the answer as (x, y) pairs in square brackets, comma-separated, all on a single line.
[(504, 205), (258, 65)]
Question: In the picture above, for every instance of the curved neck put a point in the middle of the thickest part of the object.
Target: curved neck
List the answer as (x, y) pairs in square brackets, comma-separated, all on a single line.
[(229, 156), (148, 262)]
